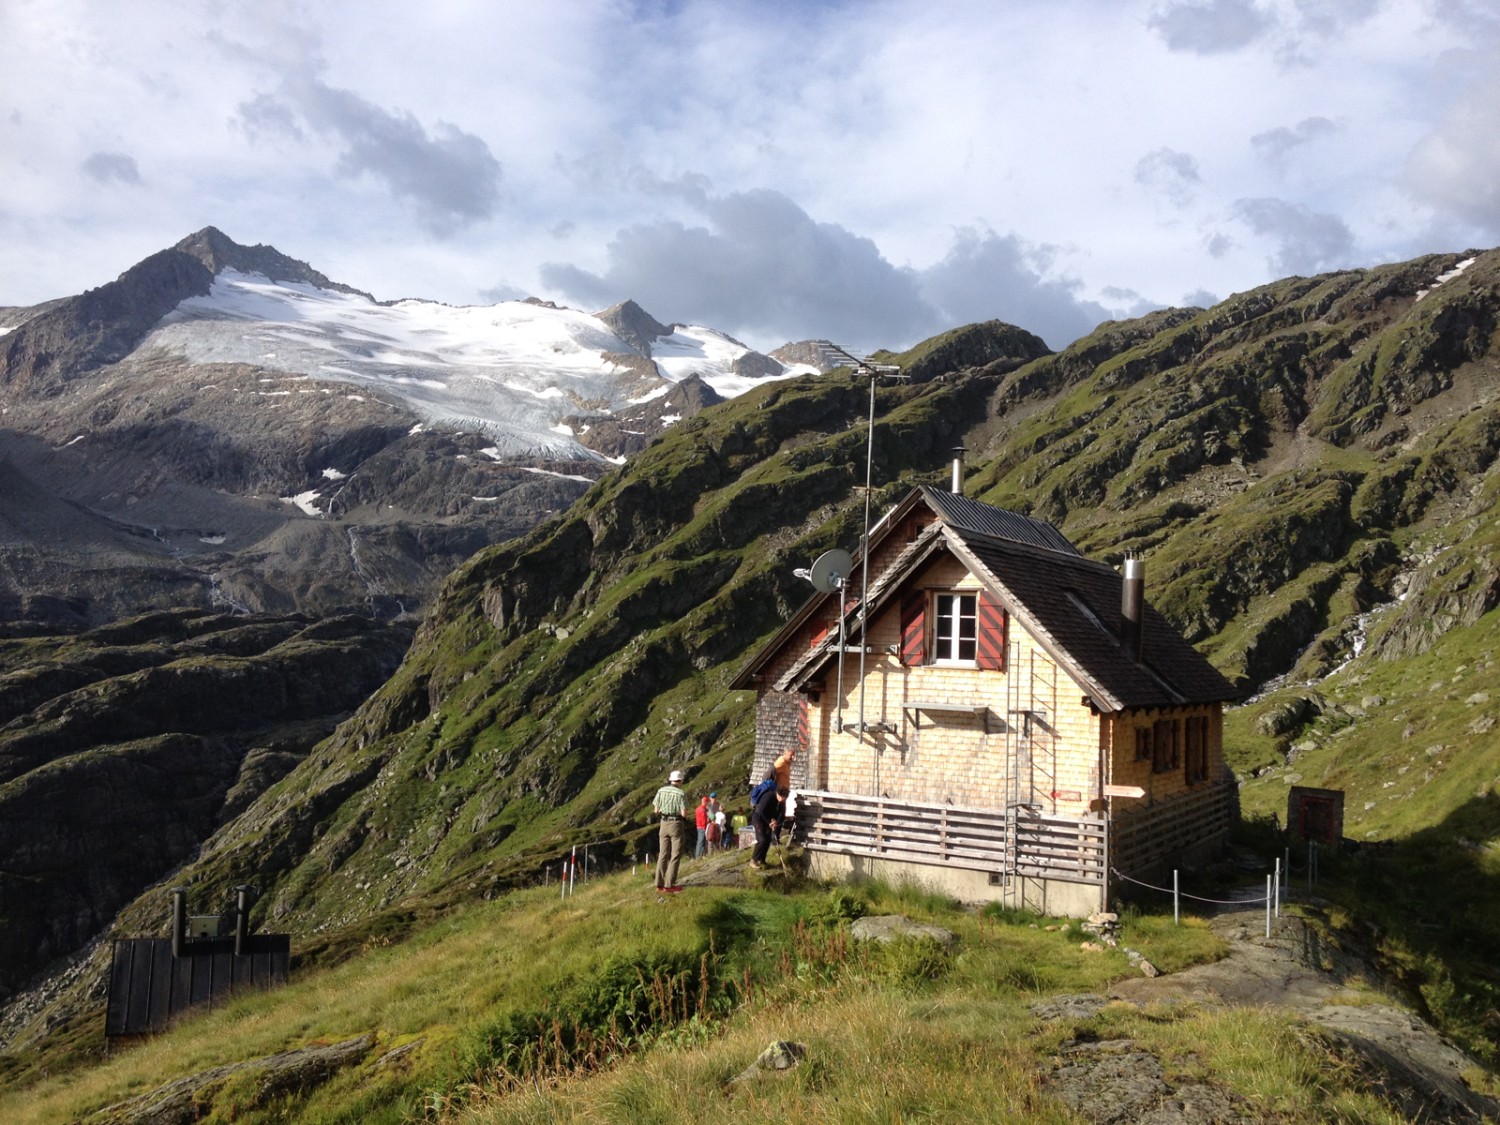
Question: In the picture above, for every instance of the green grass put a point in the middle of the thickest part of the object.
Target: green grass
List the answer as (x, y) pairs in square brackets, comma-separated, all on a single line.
[(613, 1004)]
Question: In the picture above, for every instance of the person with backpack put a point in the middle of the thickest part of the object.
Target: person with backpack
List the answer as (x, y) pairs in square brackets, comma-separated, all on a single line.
[(764, 814)]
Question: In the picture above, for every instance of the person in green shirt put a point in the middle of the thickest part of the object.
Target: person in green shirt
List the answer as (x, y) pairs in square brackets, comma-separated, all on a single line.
[(670, 805)]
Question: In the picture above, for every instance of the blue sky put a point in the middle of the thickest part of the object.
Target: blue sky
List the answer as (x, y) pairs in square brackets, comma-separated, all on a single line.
[(872, 172)]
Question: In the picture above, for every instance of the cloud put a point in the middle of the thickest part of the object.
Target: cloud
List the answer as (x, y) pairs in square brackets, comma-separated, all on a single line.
[(1210, 27), (263, 116), (1169, 173), (116, 167), (1456, 168), (1330, 17), (1306, 242), (1218, 244), (989, 277), (449, 174), (1274, 145), (760, 267)]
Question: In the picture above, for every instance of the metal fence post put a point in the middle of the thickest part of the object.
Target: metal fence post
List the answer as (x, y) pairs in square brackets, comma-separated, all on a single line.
[(1268, 907), (1176, 901)]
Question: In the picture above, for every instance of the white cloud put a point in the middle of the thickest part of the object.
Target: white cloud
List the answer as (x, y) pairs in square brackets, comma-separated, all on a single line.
[(759, 267), (449, 174), (988, 277), (1455, 168), (1173, 175)]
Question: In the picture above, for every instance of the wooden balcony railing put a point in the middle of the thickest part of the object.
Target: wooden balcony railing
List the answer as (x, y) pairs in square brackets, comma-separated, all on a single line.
[(1141, 838), (1070, 849)]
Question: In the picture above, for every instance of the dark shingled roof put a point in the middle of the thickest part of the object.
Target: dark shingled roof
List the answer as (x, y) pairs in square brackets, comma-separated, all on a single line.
[(1073, 606), (971, 515)]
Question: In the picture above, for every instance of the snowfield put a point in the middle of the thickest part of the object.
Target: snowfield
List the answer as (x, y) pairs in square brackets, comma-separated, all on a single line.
[(514, 370)]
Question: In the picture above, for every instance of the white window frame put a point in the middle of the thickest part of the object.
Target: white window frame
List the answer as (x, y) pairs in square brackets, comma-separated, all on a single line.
[(952, 610)]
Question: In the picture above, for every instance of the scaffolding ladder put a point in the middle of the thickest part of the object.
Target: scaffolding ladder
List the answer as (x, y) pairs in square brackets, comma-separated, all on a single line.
[(1030, 753)]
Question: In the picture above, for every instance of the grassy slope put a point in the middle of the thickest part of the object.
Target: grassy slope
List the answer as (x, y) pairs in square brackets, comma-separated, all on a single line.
[(906, 1032)]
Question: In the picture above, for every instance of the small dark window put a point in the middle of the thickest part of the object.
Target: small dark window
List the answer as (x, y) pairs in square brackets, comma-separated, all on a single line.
[(1164, 745), (1196, 751), (1142, 744)]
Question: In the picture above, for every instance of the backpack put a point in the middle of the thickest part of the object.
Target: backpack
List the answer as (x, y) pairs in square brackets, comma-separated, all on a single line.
[(760, 790)]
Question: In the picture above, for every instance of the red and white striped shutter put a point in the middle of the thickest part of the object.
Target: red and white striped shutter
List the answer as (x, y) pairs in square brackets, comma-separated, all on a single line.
[(990, 651), (914, 629)]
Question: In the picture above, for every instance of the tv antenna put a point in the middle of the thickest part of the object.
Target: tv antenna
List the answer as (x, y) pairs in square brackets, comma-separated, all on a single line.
[(837, 356)]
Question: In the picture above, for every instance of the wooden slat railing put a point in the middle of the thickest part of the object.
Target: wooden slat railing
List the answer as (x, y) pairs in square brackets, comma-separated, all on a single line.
[(1142, 838), (1052, 847)]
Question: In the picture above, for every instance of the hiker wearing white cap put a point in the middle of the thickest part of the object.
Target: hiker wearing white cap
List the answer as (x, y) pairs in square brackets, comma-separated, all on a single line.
[(670, 804)]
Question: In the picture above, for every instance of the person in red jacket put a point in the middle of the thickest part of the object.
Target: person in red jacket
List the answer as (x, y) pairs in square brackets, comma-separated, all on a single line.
[(700, 817)]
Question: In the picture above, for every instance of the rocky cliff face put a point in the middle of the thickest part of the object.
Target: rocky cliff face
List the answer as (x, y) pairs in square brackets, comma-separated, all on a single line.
[(123, 748)]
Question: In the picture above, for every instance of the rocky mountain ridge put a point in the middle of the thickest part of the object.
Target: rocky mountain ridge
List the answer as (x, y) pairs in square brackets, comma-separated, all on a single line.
[(224, 426)]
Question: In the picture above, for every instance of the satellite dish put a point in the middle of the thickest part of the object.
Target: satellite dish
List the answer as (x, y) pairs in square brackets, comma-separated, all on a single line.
[(831, 568)]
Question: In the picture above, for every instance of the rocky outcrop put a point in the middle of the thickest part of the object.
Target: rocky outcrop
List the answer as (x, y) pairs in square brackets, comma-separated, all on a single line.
[(977, 345), (634, 325), (267, 1080), (219, 252), (100, 326), (630, 430)]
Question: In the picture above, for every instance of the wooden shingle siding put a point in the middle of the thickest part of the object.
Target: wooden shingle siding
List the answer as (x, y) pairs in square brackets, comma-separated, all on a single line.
[(781, 724), (960, 755)]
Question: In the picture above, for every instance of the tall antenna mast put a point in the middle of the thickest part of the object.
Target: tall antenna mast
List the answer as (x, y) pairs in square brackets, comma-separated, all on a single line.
[(874, 372)]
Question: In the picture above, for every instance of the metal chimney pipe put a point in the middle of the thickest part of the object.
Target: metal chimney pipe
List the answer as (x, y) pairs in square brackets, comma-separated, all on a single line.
[(958, 469), (1132, 606)]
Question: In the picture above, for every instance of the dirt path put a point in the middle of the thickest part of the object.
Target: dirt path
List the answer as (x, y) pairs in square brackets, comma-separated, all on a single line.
[(1292, 969)]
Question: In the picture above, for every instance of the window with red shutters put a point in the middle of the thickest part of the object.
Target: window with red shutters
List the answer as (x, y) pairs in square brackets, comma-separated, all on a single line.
[(955, 628), (914, 629), (990, 654)]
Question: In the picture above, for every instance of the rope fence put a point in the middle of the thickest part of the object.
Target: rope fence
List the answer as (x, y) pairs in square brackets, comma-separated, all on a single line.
[(1272, 898)]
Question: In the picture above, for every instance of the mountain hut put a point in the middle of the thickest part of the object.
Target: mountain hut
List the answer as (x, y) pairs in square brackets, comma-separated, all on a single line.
[(1015, 723)]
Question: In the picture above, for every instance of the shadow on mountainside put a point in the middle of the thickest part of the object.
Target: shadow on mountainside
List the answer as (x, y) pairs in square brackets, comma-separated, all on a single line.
[(1411, 1064), (1425, 913)]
